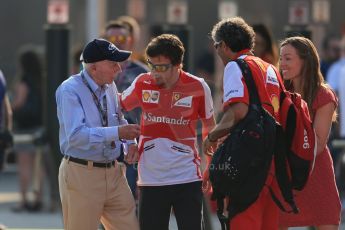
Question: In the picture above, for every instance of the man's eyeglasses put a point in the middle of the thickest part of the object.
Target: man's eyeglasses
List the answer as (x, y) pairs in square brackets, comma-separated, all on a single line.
[(160, 68), (117, 39), (217, 44)]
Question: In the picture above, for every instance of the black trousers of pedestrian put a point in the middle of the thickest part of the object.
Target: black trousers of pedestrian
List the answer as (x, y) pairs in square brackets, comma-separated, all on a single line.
[(155, 205)]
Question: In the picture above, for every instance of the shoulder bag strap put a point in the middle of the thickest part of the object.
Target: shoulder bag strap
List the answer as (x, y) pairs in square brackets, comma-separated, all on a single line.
[(248, 77)]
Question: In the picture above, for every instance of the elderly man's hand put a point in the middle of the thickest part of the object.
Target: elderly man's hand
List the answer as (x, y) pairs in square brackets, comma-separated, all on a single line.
[(133, 154), (129, 131)]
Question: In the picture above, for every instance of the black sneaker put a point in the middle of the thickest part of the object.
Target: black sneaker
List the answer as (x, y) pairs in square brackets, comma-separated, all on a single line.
[(35, 207), (21, 207)]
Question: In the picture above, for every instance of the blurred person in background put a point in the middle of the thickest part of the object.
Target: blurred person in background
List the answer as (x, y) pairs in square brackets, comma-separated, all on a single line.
[(6, 138), (76, 65), (5, 123), (138, 37), (318, 203), (340, 165), (27, 115), (330, 52), (265, 47), (123, 33), (205, 67), (334, 72)]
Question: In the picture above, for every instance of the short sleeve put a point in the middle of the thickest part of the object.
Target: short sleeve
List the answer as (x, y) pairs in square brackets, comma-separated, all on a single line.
[(234, 86), (129, 98), (324, 96), (206, 110)]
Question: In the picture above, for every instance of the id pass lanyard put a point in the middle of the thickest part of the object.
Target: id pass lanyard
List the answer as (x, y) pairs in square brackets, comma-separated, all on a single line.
[(102, 111)]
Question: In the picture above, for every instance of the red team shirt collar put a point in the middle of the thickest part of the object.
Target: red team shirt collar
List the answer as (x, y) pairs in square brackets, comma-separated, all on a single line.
[(242, 52)]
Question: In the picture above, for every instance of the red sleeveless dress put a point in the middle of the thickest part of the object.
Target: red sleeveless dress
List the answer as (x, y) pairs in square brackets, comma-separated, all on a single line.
[(319, 201)]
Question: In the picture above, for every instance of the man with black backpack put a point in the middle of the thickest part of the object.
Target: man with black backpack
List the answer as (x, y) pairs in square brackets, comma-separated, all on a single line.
[(234, 41)]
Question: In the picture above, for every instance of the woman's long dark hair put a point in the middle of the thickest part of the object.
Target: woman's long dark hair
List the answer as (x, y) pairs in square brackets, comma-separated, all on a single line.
[(31, 68), (270, 46), (311, 76)]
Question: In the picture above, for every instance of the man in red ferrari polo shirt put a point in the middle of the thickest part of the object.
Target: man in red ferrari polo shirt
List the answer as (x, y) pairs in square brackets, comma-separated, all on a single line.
[(172, 102)]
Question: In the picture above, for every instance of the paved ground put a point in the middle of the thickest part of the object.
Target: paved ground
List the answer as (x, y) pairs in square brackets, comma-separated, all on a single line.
[(43, 220)]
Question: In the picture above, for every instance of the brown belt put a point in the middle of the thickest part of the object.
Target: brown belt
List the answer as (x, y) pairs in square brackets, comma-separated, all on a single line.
[(85, 162)]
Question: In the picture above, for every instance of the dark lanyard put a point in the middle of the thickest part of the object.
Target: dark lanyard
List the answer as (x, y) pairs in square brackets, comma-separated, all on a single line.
[(102, 111)]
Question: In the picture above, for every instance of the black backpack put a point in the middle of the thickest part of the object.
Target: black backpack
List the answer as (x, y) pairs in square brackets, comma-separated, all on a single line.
[(241, 164)]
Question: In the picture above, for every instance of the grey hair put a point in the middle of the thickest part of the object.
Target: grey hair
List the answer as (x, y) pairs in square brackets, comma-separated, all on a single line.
[(86, 65)]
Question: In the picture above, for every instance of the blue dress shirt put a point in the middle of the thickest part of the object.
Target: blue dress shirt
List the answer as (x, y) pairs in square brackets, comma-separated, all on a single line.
[(81, 133)]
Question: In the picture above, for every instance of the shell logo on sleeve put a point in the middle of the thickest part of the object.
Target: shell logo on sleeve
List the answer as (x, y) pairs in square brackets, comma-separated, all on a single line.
[(275, 103)]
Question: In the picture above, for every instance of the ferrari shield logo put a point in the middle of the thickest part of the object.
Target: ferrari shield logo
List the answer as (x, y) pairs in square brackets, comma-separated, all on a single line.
[(176, 96), (181, 100)]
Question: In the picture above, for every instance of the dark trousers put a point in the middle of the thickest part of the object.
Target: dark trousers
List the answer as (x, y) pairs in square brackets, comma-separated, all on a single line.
[(155, 205)]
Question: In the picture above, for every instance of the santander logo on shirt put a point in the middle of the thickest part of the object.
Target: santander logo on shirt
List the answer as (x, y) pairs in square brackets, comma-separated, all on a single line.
[(165, 119)]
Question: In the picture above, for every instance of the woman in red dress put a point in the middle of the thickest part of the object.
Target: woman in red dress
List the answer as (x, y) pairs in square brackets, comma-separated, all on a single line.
[(319, 201)]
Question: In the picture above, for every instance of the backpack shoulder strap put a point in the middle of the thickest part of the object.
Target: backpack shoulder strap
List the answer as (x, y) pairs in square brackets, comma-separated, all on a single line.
[(248, 77), (280, 80), (280, 158)]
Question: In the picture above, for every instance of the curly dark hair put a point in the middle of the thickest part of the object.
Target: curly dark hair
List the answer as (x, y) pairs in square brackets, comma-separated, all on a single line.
[(235, 32), (167, 45)]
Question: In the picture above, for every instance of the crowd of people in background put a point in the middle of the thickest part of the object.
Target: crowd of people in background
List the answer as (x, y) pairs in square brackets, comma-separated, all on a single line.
[(137, 86)]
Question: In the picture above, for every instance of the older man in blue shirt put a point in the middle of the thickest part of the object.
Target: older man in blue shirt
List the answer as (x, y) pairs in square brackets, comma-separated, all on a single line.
[(92, 185)]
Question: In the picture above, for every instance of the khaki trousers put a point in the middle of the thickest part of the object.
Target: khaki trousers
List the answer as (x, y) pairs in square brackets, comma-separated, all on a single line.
[(90, 195)]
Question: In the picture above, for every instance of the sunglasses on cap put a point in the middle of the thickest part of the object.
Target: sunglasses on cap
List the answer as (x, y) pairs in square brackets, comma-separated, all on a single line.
[(117, 39), (160, 68)]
